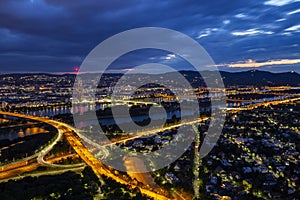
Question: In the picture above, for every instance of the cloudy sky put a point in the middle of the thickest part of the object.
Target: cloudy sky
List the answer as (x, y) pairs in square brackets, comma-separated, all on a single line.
[(56, 35)]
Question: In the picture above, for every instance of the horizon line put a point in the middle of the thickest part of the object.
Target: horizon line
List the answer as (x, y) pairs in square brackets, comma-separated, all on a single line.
[(76, 73)]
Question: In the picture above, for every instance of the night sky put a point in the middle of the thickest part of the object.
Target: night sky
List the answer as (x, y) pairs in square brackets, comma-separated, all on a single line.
[(56, 35)]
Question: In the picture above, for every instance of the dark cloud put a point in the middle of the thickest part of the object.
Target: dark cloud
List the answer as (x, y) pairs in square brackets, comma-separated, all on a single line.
[(56, 35)]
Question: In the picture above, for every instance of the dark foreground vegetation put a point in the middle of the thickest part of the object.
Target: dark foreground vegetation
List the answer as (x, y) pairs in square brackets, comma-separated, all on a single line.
[(68, 186)]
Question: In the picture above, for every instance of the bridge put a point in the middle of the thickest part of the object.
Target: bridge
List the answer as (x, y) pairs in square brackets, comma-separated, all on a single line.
[(101, 101), (72, 136)]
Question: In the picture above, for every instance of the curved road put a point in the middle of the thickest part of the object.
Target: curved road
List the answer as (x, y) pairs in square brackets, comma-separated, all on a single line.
[(98, 168), (40, 155)]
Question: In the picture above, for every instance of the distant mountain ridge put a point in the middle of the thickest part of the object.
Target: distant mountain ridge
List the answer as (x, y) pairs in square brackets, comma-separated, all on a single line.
[(261, 78), (255, 78)]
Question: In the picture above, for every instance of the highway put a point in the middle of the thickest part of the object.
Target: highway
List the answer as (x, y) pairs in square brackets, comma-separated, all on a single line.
[(42, 173), (116, 101), (70, 134), (40, 155), (156, 130), (99, 169), (266, 103), (153, 131), (18, 170)]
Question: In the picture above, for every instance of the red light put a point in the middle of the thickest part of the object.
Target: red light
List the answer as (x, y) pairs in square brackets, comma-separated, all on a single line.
[(76, 69)]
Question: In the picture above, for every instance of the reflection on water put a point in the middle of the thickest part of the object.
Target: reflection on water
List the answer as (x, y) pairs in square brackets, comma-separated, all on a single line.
[(14, 133), (255, 101), (82, 108)]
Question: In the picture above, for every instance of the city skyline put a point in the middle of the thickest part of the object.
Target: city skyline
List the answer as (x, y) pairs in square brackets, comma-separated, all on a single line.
[(141, 99)]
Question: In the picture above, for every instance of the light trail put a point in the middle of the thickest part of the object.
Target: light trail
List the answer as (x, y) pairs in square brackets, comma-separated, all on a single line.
[(18, 170), (153, 131), (98, 168)]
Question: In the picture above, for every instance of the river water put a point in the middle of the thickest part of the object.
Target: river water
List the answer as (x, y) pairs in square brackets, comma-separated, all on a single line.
[(81, 109)]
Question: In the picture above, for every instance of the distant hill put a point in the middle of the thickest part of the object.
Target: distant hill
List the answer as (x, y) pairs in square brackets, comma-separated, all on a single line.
[(255, 78), (260, 78)]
